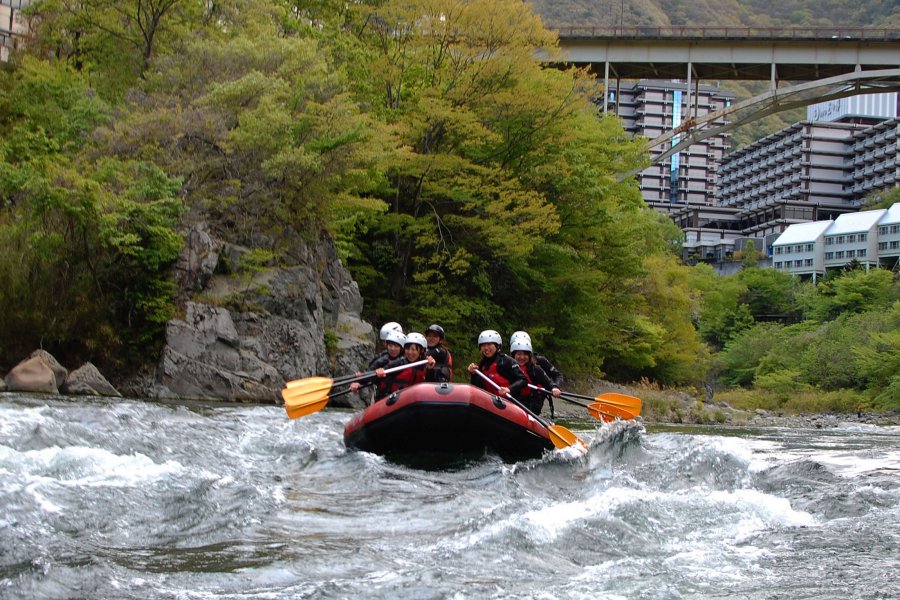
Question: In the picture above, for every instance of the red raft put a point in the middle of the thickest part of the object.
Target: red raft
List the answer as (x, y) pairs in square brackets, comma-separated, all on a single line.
[(449, 419)]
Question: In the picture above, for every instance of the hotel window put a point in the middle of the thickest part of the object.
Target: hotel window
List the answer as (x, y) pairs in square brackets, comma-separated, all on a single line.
[(861, 252), (851, 238), (829, 241), (839, 240), (863, 237), (851, 253), (839, 254), (895, 228), (882, 230), (882, 245), (808, 262), (829, 255), (778, 265), (809, 247), (778, 250), (895, 245)]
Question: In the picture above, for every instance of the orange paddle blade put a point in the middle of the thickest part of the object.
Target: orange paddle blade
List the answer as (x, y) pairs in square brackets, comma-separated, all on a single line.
[(562, 437), (631, 404), (612, 411)]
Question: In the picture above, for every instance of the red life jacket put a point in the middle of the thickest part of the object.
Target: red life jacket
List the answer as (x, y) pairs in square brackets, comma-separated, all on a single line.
[(525, 391), (405, 378), (494, 375)]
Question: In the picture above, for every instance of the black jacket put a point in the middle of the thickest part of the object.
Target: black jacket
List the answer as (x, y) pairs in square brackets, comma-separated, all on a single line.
[(443, 363), (552, 372)]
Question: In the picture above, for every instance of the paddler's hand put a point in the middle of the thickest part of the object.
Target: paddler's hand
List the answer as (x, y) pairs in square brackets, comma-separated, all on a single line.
[(472, 368), (380, 373), (556, 392), (504, 391), (354, 387), (430, 363)]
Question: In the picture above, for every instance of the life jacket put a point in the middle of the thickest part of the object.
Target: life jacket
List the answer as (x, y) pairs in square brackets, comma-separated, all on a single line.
[(405, 378), (525, 392), (493, 374)]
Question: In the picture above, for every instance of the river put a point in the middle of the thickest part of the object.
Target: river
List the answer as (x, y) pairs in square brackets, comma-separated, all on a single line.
[(130, 499)]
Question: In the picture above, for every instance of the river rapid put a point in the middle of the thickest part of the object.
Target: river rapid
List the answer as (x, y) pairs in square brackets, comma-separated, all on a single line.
[(131, 499)]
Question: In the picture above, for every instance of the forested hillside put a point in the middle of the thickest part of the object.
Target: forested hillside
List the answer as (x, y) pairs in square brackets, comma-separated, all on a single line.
[(762, 13)]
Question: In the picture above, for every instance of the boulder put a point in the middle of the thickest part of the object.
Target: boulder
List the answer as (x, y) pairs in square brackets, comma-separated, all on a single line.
[(33, 374), (59, 371), (88, 381)]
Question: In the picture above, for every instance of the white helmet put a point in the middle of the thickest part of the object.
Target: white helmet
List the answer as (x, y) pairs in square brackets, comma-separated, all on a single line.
[(489, 336), (520, 341), (416, 338), (392, 326), (396, 336)]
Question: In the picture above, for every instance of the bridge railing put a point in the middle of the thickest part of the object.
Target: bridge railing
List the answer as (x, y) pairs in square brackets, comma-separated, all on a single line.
[(747, 33)]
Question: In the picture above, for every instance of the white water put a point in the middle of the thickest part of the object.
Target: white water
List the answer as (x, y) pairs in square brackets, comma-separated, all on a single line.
[(124, 499)]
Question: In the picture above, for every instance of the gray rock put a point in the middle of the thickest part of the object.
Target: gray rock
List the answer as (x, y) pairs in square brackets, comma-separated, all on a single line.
[(278, 334), (59, 371), (197, 261), (33, 374), (87, 380)]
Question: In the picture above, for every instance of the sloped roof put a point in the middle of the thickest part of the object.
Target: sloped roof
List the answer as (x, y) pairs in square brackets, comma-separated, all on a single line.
[(856, 222), (803, 233), (892, 216)]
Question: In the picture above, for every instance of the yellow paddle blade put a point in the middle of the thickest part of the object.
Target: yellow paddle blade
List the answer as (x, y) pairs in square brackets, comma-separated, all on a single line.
[(599, 414), (562, 437), (612, 411), (308, 381), (301, 410), (630, 403), (306, 397)]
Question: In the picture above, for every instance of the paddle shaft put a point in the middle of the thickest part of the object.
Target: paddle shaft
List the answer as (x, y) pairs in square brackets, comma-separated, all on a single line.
[(510, 397)]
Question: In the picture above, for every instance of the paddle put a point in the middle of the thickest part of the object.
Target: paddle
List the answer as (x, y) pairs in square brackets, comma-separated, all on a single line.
[(559, 435), (629, 405), (600, 407), (594, 411), (306, 396)]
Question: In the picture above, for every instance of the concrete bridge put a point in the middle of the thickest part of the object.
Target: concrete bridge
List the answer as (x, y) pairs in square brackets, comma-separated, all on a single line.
[(828, 62)]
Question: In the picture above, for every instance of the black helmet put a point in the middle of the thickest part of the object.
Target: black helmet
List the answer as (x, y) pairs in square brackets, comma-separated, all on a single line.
[(437, 329)]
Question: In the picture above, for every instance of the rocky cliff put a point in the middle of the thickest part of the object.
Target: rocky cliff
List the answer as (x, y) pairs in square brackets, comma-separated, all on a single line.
[(245, 331)]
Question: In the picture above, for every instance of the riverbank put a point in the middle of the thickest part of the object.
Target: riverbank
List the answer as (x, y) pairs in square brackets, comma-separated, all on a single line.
[(665, 406)]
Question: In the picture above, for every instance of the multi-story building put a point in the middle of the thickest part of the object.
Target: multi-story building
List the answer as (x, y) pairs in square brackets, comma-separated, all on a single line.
[(13, 26), (870, 238), (651, 108), (812, 170)]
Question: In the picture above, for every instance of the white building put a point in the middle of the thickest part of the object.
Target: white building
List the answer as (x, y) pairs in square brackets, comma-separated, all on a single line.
[(888, 246), (853, 237), (13, 26), (871, 238), (801, 249)]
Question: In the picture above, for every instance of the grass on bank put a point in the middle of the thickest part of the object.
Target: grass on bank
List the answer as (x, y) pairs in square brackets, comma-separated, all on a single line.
[(687, 405)]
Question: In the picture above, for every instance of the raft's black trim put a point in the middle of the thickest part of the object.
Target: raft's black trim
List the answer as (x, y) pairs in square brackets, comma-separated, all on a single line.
[(449, 428)]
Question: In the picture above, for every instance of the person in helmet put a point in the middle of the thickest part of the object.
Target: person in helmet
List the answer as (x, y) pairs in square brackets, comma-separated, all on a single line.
[(549, 368), (500, 368), (393, 340), (443, 368), (383, 358), (520, 346), (413, 351)]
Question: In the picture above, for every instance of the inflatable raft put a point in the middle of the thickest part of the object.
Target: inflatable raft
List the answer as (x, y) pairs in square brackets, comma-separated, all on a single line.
[(448, 419)]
